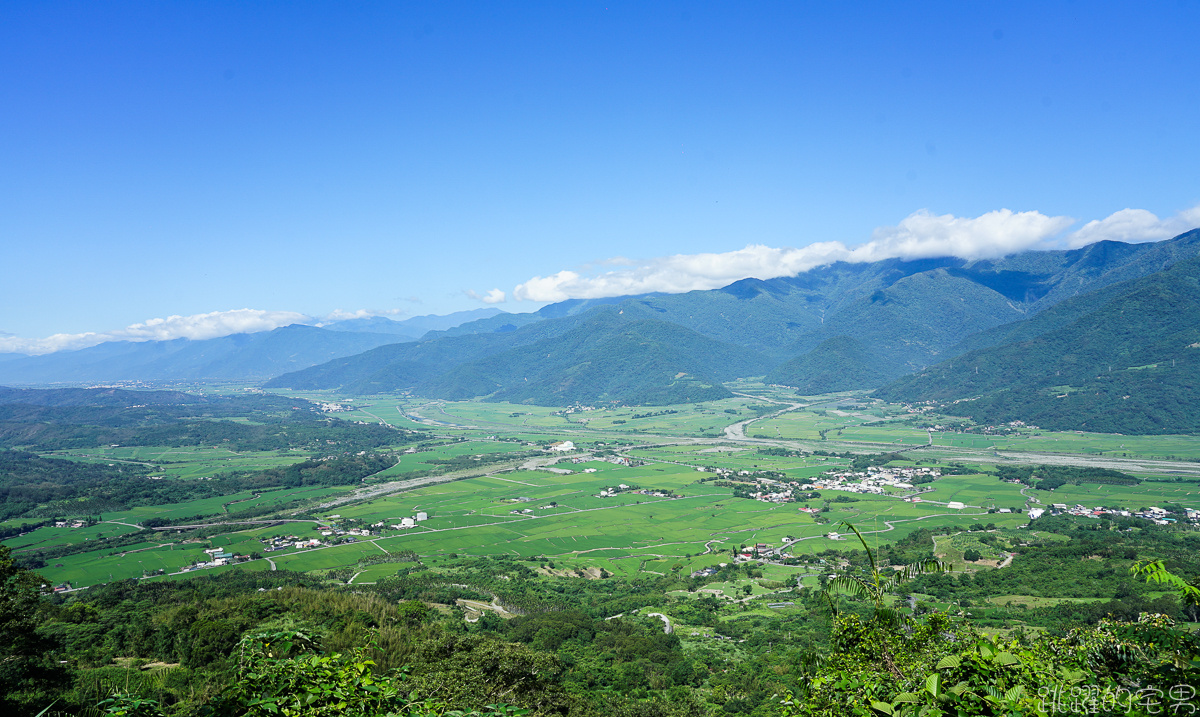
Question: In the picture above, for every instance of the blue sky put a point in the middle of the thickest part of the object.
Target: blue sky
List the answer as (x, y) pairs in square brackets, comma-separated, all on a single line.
[(301, 159)]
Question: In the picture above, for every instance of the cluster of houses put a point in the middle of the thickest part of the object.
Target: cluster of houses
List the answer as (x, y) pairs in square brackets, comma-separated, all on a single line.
[(1159, 516), (289, 542), (404, 524), (215, 557), (69, 524), (622, 488), (757, 550), (774, 492), (573, 409), (877, 480)]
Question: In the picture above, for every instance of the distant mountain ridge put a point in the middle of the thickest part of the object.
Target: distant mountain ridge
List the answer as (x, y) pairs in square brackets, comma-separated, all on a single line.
[(251, 357), (909, 313), (412, 328), (599, 356), (242, 357)]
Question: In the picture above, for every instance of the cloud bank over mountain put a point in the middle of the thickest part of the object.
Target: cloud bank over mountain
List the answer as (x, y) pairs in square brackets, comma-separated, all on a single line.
[(1135, 225), (922, 234)]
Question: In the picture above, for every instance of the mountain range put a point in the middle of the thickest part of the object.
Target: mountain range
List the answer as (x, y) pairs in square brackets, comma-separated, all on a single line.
[(838, 327), (1124, 359), (243, 357), (1024, 336)]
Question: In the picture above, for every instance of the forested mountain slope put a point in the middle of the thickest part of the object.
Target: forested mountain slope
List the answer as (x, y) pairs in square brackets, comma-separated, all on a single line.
[(607, 357), (899, 315), (837, 364), (1125, 360), (907, 313)]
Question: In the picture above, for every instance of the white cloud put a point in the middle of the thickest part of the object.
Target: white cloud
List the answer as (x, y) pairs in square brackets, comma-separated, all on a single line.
[(920, 235), (1134, 225), (341, 315), (495, 296), (197, 327)]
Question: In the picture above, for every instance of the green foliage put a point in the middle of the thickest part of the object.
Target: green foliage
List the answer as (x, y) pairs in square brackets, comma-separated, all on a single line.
[(934, 668), (29, 667), (91, 418), (123, 704), (876, 585), (1051, 477), (280, 676)]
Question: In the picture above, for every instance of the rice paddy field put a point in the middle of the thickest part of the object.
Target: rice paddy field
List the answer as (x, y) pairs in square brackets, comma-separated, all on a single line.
[(559, 513)]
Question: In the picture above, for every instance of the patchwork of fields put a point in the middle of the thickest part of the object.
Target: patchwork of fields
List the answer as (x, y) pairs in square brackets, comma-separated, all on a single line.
[(558, 512)]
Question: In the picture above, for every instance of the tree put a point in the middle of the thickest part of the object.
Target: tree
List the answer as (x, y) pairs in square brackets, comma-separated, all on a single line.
[(29, 670), (875, 587), (1155, 571)]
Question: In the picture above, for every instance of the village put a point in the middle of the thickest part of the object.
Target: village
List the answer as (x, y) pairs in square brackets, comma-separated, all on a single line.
[(1159, 516)]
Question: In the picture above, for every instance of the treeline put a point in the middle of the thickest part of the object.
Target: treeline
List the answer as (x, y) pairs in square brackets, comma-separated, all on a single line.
[(54, 428), (1051, 477), (83, 418), (38, 487), (27, 480), (329, 471)]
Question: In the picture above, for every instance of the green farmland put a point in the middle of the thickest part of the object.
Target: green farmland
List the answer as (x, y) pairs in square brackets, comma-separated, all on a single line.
[(556, 511)]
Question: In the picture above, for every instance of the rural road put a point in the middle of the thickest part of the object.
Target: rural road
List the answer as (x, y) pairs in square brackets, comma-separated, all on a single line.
[(666, 621), (396, 486)]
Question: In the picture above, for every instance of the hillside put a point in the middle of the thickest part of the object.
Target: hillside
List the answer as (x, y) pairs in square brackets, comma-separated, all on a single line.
[(605, 358), (1125, 360), (838, 327), (404, 365), (598, 356), (837, 364)]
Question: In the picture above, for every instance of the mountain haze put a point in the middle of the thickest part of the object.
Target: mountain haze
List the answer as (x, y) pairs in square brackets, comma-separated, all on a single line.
[(254, 356)]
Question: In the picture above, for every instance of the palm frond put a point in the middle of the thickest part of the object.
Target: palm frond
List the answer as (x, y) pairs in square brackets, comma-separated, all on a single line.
[(861, 539), (923, 567), (851, 585)]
